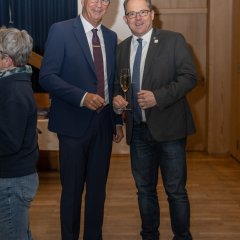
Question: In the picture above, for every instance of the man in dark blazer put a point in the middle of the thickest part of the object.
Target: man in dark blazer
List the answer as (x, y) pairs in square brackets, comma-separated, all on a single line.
[(83, 119), (158, 137)]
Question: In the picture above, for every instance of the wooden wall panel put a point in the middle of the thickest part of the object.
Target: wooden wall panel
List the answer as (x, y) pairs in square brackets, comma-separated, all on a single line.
[(192, 23), (235, 116), (180, 3), (219, 101)]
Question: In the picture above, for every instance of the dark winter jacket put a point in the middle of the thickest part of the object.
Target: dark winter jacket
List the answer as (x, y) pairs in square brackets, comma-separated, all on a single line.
[(18, 120)]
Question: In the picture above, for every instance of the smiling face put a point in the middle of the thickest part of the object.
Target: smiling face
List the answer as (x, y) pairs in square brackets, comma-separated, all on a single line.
[(138, 25), (93, 11)]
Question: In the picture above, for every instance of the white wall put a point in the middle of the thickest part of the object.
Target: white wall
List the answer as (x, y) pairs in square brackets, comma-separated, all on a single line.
[(114, 18)]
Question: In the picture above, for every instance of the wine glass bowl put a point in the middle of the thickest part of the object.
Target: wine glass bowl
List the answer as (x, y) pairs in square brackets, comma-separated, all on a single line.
[(125, 80)]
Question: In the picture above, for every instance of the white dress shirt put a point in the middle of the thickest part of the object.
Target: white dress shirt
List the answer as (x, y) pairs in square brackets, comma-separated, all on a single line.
[(88, 30), (134, 45)]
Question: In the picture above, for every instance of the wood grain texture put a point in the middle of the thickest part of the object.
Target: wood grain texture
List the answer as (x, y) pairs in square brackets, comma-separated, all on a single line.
[(219, 87), (214, 191), (180, 3), (35, 60), (235, 96)]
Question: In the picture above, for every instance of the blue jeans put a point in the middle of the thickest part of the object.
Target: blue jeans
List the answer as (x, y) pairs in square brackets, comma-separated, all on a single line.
[(16, 195), (147, 155)]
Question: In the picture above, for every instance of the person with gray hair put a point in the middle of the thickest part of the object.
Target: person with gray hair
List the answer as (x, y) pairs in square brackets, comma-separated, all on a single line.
[(18, 135)]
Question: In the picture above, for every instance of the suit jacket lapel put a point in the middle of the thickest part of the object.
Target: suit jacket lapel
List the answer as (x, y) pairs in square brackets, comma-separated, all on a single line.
[(82, 40), (108, 51), (127, 52), (152, 50), (126, 64)]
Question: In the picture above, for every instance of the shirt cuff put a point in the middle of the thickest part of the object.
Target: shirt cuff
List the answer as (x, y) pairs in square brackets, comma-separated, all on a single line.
[(81, 103), (117, 111)]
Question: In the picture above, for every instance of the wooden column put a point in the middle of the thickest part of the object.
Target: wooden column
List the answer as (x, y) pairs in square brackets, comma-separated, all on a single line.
[(235, 116), (219, 94)]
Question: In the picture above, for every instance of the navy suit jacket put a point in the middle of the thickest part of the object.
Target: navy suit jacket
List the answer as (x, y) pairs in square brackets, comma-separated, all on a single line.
[(170, 73), (68, 72)]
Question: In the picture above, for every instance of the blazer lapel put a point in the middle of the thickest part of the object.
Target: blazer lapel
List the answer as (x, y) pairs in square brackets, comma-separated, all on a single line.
[(126, 54), (82, 40), (152, 50), (126, 64), (108, 51)]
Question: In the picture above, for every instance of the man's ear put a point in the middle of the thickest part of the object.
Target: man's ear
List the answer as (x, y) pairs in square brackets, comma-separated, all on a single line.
[(152, 14), (125, 19)]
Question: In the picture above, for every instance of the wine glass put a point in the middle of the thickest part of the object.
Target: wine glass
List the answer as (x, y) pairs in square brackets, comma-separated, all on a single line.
[(125, 82)]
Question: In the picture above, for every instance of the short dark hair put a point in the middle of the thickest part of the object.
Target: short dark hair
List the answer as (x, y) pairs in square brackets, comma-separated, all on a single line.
[(149, 3)]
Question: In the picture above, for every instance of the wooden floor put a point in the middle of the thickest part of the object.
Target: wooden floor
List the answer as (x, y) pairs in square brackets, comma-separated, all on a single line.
[(214, 191)]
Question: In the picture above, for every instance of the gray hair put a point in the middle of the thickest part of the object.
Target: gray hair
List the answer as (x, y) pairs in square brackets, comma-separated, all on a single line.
[(17, 44), (149, 3)]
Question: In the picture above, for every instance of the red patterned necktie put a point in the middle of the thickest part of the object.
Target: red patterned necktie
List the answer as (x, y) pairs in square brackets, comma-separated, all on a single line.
[(98, 62)]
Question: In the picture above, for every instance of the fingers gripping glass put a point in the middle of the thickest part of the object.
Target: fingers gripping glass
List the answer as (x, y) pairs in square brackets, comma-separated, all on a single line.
[(141, 13), (104, 2), (125, 83)]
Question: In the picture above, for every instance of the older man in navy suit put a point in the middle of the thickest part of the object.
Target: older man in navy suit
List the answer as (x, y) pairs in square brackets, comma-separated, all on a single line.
[(163, 72), (78, 70)]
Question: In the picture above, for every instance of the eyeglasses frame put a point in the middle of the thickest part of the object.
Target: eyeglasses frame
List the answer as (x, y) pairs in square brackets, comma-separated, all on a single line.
[(145, 11), (104, 2)]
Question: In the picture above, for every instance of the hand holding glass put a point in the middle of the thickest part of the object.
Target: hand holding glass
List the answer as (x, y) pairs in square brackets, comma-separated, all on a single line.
[(125, 83)]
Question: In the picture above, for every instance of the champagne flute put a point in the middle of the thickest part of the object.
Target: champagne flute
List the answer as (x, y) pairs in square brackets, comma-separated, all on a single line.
[(125, 82)]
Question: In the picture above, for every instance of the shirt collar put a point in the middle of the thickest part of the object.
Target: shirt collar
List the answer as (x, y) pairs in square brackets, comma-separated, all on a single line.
[(146, 38)]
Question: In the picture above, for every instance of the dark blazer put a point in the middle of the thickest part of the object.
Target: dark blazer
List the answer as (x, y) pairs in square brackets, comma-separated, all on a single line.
[(68, 72), (170, 74)]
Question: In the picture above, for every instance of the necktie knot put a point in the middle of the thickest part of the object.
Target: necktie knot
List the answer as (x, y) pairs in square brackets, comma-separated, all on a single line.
[(94, 31), (95, 39), (140, 41)]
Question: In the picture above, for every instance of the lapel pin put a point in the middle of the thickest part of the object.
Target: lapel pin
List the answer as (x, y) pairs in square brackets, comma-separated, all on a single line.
[(155, 40)]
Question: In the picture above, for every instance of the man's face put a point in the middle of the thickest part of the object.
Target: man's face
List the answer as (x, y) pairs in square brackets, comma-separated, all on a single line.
[(94, 10), (139, 25)]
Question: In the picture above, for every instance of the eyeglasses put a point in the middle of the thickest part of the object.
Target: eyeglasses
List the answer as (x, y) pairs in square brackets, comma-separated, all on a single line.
[(141, 13), (104, 2)]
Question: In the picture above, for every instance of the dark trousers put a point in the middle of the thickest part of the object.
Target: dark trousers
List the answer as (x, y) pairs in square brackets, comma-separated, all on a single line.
[(147, 155), (85, 162)]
